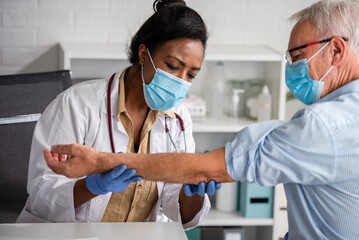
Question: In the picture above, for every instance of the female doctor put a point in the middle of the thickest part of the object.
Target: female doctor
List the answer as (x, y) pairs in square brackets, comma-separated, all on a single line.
[(137, 110)]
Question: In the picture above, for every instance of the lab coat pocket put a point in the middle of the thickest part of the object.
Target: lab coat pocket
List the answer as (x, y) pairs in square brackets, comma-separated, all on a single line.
[(27, 217)]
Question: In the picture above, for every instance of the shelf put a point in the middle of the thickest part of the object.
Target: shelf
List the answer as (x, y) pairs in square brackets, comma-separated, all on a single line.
[(225, 125), (94, 51), (218, 218), (213, 53), (242, 53)]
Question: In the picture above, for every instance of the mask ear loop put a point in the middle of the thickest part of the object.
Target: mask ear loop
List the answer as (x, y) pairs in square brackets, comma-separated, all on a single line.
[(330, 69), (151, 59), (143, 80), (316, 52), (315, 55)]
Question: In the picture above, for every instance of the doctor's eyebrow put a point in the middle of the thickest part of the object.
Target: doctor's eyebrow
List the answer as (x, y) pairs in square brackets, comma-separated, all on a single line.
[(183, 63)]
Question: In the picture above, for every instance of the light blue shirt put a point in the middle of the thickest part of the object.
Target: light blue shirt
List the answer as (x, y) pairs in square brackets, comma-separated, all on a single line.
[(316, 156)]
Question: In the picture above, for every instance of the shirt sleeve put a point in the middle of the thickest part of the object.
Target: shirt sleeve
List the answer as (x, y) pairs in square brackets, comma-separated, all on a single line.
[(268, 153)]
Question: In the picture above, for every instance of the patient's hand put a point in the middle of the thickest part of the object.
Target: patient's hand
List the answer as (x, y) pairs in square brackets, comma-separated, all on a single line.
[(73, 160)]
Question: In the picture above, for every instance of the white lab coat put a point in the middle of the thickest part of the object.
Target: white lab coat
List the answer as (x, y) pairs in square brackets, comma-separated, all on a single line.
[(79, 115)]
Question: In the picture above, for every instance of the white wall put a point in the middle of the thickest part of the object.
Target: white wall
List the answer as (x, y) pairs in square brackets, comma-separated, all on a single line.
[(31, 29)]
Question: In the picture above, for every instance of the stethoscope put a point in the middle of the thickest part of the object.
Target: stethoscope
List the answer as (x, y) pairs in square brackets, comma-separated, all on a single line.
[(180, 120)]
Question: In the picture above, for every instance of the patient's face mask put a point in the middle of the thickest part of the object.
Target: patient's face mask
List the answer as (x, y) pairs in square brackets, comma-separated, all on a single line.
[(165, 90), (300, 84)]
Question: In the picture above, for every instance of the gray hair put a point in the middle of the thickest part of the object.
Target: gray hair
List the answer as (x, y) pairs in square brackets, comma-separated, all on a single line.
[(333, 18)]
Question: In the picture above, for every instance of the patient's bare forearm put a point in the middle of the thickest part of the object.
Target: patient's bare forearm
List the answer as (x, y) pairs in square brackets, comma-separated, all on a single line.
[(167, 167), (173, 167)]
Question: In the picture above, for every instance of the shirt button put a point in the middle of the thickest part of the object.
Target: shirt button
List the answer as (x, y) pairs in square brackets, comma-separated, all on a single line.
[(140, 185), (98, 200)]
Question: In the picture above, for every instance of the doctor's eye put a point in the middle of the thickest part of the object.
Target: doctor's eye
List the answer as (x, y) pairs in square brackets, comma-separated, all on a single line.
[(171, 67), (191, 76)]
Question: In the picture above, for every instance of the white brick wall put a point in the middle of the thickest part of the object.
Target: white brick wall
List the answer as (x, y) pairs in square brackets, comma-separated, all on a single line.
[(31, 29), (16, 38)]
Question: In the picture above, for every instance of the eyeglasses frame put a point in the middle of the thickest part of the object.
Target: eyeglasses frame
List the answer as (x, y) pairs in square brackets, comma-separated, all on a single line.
[(288, 57)]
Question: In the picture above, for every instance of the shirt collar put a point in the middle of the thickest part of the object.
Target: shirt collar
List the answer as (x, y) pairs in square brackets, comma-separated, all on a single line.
[(121, 100), (121, 96), (168, 113), (350, 87)]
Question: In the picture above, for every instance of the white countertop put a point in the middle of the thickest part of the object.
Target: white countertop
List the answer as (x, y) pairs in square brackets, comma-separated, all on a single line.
[(92, 231)]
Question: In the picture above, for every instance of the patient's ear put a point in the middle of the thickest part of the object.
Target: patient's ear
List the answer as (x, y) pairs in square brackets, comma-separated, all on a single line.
[(339, 50)]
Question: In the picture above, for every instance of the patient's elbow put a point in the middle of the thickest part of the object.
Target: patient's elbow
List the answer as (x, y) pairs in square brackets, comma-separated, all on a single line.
[(217, 176), (202, 177)]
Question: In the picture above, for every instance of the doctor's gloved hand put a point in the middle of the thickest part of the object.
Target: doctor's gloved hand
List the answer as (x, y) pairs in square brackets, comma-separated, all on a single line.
[(201, 188), (115, 180)]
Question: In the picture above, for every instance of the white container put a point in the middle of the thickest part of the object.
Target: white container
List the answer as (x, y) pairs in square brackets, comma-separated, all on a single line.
[(235, 103), (196, 106), (227, 197), (217, 89), (264, 105), (252, 105)]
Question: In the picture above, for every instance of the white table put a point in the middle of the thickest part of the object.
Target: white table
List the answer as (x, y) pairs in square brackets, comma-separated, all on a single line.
[(92, 231)]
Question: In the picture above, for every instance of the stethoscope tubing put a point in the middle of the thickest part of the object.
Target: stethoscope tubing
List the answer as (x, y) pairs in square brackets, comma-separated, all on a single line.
[(109, 113)]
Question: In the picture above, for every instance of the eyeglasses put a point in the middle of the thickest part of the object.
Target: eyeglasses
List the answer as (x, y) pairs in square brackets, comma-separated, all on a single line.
[(288, 56)]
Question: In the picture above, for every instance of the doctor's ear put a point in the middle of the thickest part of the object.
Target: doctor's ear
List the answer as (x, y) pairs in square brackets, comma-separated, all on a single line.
[(339, 50), (142, 54)]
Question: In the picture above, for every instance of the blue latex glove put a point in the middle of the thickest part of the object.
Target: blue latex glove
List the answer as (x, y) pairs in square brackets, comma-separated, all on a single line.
[(201, 188), (115, 180)]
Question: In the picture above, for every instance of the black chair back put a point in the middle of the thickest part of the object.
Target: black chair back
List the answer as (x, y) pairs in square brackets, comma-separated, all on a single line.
[(23, 98)]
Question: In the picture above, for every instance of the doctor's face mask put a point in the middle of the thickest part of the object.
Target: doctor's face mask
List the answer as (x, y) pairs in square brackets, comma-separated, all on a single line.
[(305, 89), (165, 90)]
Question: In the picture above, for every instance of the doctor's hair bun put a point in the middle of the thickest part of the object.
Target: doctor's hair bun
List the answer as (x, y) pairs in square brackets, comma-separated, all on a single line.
[(160, 4), (171, 20)]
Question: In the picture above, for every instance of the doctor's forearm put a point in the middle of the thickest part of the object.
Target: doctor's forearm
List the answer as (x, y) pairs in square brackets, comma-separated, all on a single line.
[(189, 206), (81, 193)]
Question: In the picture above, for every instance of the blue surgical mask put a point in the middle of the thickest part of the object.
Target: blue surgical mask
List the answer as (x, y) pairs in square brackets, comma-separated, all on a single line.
[(165, 90), (305, 89)]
